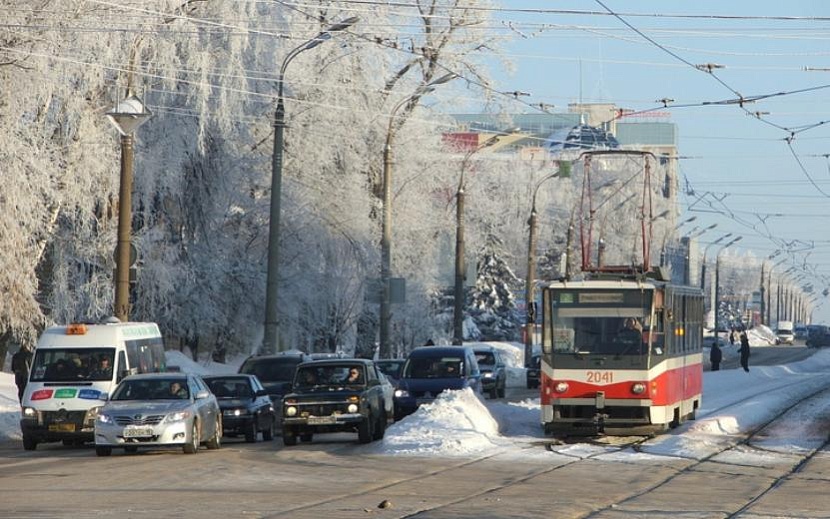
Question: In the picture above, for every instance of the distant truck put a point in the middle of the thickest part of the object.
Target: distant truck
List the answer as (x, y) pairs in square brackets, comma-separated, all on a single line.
[(785, 332)]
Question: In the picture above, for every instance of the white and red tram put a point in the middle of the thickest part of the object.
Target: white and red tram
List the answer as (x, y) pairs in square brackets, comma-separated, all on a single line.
[(598, 379)]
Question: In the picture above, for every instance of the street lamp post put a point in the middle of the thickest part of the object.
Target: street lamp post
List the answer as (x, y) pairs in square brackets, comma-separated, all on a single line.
[(460, 265), (530, 322), (386, 232), (769, 291), (703, 265), (717, 280), (127, 116), (270, 341)]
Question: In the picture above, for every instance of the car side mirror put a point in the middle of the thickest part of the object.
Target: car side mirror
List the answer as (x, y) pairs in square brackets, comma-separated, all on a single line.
[(201, 394), (261, 392)]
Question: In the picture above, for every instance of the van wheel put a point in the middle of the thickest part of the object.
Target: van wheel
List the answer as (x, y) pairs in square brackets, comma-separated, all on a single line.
[(103, 451), (503, 391), (192, 447), (29, 443)]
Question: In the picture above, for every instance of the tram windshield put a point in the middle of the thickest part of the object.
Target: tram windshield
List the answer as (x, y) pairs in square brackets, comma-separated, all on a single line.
[(601, 322)]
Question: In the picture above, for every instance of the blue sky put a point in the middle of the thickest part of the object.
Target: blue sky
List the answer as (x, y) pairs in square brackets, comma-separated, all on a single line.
[(744, 174)]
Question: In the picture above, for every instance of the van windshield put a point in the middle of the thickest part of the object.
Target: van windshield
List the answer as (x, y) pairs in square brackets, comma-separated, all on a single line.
[(72, 364)]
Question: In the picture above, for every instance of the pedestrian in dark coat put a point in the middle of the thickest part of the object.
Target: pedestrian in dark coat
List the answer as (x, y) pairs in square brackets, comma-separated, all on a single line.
[(21, 365), (715, 356), (745, 351)]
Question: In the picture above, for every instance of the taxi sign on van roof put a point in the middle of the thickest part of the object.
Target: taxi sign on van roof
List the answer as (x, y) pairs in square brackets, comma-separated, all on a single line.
[(76, 329)]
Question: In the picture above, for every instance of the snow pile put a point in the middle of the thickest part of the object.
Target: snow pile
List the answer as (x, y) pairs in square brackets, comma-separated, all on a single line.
[(188, 365), (457, 423), (9, 408), (761, 335)]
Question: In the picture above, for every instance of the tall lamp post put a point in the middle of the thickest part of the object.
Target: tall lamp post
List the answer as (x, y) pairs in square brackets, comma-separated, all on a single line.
[(386, 236), (460, 266), (530, 323), (127, 116), (703, 265), (270, 341), (769, 291), (717, 280)]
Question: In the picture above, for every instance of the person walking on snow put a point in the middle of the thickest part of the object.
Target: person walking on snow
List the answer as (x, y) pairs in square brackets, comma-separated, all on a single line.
[(745, 351), (21, 365), (715, 356)]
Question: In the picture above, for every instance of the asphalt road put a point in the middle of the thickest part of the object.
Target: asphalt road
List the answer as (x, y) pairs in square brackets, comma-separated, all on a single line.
[(336, 477)]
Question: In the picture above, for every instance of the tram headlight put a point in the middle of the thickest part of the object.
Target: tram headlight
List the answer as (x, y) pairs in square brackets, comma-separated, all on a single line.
[(638, 388), (560, 387)]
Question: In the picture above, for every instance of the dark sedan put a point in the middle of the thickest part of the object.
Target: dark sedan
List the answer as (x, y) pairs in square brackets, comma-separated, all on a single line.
[(335, 396), (246, 407)]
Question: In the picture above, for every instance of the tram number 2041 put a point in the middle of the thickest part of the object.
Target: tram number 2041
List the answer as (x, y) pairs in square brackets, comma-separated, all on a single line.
[(600, 377)]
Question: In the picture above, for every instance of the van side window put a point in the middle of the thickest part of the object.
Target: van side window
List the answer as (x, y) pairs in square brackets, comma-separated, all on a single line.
[(121, 366)]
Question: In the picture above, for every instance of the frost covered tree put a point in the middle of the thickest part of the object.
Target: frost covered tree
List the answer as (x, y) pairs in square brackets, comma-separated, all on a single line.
[(492, 304)]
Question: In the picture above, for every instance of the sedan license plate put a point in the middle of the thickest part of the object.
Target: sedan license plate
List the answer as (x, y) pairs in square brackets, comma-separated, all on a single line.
[(62, 427), (321, 420), (137, 432)]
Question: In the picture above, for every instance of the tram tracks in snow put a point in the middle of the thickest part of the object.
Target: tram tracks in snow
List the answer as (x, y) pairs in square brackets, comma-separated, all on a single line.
[(752, 440)]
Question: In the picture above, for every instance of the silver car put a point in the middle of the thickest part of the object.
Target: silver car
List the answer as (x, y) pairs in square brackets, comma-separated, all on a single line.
[(159, 409)]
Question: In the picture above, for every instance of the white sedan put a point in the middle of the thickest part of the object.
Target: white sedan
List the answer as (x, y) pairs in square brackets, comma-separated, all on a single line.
[(159, 409)]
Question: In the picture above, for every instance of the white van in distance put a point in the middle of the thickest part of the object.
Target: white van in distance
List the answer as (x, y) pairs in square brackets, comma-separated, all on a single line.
[(73, 367), (785, 332)]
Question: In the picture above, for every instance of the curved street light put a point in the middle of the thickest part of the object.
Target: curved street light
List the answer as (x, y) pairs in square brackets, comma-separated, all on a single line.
[(460, 266), (270, 340), (386, 237), (530, 306), (127, 116), (703, 265)]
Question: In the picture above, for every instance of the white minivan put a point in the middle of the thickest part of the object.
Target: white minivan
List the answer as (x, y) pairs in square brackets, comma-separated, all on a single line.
[(785, 332), (75, 367)]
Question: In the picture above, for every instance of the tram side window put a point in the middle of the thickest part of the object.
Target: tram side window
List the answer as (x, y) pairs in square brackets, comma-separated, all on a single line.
[(657, 334), (547, 319)]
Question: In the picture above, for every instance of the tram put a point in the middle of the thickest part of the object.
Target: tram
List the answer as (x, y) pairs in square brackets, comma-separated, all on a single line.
[(621, 345), (599, 376)]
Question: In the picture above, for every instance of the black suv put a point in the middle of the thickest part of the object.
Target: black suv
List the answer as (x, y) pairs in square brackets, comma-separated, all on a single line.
[(343, 395), (275, 372)]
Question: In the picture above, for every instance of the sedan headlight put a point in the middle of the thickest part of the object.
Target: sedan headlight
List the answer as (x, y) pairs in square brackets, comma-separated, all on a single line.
[(178, 416), (352, 408), (104, 418), (236, 412), (401, 393)]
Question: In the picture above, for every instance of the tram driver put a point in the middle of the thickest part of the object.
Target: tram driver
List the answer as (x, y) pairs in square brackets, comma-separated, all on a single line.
[(630, 337)]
